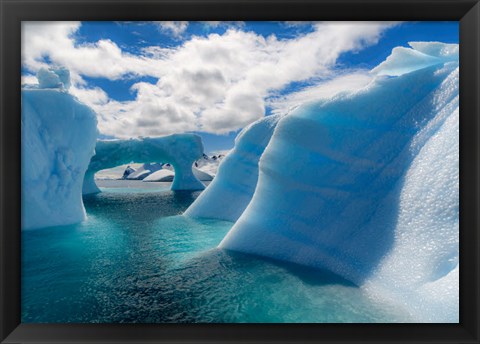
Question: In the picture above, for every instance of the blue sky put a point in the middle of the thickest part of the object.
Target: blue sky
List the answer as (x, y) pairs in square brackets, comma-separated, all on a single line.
[(211, 78)]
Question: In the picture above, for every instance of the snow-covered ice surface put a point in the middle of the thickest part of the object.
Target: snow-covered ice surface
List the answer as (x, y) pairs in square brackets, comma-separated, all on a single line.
[(180, 150), (58, 140), (209, 164), (202, 175), (424, 54), (167, 175), (364, 185), (162, 175), (143, 171), (232, 189)]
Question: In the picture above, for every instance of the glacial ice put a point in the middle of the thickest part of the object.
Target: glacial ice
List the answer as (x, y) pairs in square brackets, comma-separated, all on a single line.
[(180, 150), (422, 54), (162, 175), (144, 171), (230, 192), (364, 184), (58, 140), (209, 164), (166, 175), (202, 175)]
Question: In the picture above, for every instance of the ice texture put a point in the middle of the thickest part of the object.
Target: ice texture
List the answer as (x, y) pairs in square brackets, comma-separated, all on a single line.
[(364, 184), (209, 164), (58, 140), (143, 171), (230, 192), (202, 175), (424, 54), (162, 175), (180, 150)]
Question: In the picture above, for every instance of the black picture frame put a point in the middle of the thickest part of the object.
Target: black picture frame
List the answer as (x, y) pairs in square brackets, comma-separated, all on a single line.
[(15, 11)]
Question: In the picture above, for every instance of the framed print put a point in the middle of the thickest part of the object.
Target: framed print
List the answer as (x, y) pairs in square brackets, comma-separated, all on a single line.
[(273, 171)]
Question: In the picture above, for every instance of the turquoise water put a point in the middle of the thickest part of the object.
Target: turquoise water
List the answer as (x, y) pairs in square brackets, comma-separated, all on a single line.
[(136, 259)]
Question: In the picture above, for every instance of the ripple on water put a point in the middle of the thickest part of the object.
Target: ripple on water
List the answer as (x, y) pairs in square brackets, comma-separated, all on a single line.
[(136, 259)]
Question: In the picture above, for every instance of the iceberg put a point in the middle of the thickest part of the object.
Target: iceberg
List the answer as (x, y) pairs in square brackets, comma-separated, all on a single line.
[(424, 54), (209, 164), (128, 171), (142, 172), (162, 175), (167, 175), (364, 184), (232, 189), (58, 140), (202, 175), (180, 150)]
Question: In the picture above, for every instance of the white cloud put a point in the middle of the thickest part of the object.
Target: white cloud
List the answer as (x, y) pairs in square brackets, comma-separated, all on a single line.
[(29, 79), (215, 84), (91, 96), (175, 28)]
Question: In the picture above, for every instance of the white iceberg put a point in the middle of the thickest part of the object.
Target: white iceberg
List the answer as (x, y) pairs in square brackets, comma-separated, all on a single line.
[(162, 175), (167, 175), (209, 164), (424, 54), (202, 175), (58, 140), (142, 172)]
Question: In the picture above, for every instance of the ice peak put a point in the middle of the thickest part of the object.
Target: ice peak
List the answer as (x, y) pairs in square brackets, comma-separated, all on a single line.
[(404, 60)]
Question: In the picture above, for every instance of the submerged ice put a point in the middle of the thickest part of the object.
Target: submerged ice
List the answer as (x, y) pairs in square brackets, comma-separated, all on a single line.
[(364, 184)]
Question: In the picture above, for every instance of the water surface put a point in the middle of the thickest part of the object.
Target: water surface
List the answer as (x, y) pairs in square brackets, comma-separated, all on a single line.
[(136, 259)]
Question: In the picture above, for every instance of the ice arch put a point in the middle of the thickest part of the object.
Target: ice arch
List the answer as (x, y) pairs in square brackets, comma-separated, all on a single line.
[(180, 150)]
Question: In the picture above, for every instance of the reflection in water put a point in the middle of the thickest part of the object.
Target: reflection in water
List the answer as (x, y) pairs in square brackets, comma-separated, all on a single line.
[(136, 259)]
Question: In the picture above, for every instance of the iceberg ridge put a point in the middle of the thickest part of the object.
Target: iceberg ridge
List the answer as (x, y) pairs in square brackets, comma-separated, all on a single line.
[(371, 188)]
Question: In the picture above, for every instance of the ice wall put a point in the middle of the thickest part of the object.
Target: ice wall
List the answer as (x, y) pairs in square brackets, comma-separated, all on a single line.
[(366, 185), (180, 150), (230, 192), (58, 140)]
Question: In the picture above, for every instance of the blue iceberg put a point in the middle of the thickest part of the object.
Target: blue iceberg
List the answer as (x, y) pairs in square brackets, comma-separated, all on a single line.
[(364, 184), (232, 189), (180, 150), (58, 140)]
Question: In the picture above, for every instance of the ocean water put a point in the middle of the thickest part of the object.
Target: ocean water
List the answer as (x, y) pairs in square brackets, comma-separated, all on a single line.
[(136, 259)]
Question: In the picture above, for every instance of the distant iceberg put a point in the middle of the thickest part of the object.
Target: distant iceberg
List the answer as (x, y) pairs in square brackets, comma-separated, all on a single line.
[(58, 140), (142, 172), (180, 150), (364, 184), (162, 175)]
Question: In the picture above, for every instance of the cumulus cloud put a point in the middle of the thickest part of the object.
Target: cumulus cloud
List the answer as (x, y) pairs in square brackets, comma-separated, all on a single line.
[(175, 28), (215, 83)]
